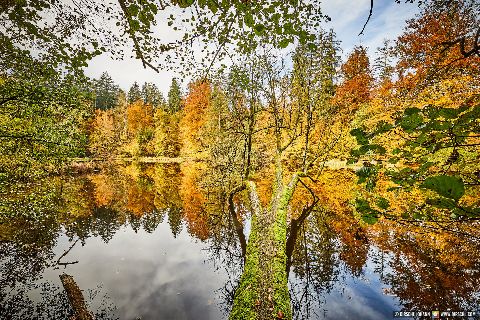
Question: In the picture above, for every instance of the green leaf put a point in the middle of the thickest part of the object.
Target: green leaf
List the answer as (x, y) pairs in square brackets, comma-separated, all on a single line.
[(447, 186), (411, 111), (133, 10), (370, 218), (442, 203), (284, 43), (360, 135), (352, 161), (371, 183), (212, 5), (448, 113), (393, 160), (418, 216), (185, 3), (362, 206), (411, 122), (369, 215), (154, 8), (383, 203), (259, 28), (382, 127), (371, 147), (312, 46), (364, 173), (248, 19), (135, 25)]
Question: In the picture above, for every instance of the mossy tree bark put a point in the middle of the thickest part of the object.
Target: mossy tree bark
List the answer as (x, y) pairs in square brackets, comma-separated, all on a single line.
[(263, 289)]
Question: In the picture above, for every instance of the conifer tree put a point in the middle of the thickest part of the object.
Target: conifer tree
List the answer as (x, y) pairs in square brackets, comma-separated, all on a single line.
[(134, 93), (174, 97), (152, 95), (106, 92)]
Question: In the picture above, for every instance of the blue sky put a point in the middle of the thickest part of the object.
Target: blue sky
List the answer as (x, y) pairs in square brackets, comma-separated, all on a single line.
[(348, 18)]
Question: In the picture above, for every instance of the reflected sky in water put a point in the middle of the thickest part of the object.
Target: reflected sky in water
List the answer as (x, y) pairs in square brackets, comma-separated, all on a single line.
[(351, 295), (148, 275)]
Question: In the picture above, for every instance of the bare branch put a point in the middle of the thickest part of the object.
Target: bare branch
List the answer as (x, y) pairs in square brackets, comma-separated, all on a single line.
[(368, 19)]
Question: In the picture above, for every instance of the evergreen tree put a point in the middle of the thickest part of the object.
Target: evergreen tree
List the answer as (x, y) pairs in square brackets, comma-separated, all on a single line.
[(174, 97), (106, 92), (134, 93), (383, 62), (329, 58), (152, 95)]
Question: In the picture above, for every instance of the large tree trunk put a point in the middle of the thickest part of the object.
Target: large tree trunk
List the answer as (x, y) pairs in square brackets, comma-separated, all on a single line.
[(263, 289)]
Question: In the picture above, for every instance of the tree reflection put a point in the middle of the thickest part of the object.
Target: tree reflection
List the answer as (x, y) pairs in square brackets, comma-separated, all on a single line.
[(208, 212), (354, 243), (167, 196), (54, 303), (102, 222), (28, 233), (314, 262), (430, 270), (194, 202), (426, 268), (330, 245), (34, 215)]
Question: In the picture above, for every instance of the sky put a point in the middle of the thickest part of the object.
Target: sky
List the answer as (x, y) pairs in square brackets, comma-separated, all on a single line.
[(347, 20)]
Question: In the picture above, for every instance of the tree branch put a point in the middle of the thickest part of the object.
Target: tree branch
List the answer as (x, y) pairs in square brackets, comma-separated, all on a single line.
[(368, 19), (131, 33), (237, 224)]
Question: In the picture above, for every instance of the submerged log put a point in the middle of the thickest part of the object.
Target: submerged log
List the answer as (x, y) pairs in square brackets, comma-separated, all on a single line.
[(75, 297)]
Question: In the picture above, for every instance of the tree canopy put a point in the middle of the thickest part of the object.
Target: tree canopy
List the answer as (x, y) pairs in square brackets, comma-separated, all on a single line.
[(77, 31)]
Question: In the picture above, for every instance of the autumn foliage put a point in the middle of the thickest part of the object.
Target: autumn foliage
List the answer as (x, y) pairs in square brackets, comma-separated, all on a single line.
[(357, 81), (197, 102), (261, 114)]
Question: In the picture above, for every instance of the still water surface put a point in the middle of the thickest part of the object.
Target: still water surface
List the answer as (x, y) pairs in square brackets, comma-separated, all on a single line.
[(152, 243)]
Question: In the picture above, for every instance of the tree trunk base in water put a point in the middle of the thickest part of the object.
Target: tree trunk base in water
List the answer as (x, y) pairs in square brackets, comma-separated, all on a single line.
[(263, 290), (75, 297)]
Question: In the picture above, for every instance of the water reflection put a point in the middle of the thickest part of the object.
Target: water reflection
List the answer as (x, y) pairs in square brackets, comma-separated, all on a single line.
[(159, 241)]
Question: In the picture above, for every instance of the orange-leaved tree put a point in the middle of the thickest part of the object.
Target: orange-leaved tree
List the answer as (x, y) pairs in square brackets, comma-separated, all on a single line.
[(197, 102), (140, 128), (357, 81)]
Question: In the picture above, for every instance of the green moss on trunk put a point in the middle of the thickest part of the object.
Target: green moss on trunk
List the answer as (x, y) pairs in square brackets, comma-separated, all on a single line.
[(281, 296), (246, 295), (263, 291)]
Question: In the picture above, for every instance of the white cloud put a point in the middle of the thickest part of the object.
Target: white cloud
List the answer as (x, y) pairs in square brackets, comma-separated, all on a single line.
[(125, 72)]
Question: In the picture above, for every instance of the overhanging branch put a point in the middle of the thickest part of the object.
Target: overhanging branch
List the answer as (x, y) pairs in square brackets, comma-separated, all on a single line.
[(368, 19), (131, 33)]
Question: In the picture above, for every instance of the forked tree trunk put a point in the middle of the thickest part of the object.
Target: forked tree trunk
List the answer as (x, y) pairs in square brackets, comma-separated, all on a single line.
[(263, 289)]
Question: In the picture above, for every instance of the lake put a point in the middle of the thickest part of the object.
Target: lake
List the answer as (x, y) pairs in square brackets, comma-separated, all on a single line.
[(157, 242)]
